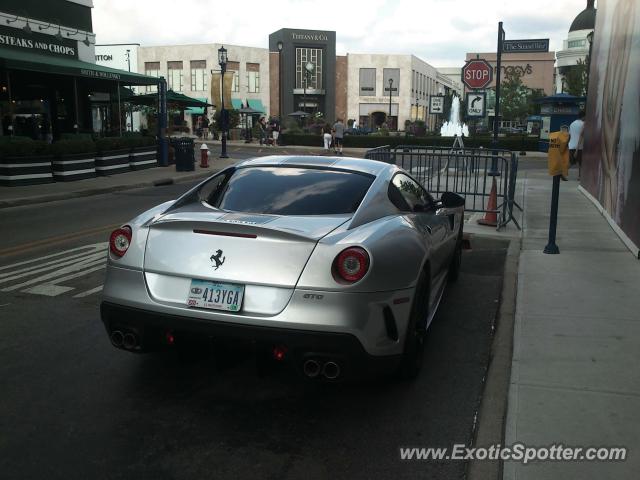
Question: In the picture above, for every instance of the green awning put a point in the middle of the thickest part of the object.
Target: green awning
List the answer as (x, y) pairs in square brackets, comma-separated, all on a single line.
[(256, 105), (236, 103), (197, 110), (19, 60)]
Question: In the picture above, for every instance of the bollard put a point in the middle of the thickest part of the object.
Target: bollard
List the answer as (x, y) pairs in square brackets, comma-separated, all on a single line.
[(204, 156), (551, 247)]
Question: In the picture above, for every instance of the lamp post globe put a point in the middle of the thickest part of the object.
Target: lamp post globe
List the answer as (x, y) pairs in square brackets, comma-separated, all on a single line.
[(222, 61)]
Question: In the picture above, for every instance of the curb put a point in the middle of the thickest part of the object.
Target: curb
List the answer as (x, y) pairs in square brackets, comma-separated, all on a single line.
[(492, 412), (53, 197)]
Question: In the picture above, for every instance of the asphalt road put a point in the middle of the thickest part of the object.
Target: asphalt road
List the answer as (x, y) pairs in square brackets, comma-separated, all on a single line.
[(73, 407)]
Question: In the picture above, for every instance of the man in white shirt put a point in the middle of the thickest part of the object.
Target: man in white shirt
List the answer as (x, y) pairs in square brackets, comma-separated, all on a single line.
[(576, 131)]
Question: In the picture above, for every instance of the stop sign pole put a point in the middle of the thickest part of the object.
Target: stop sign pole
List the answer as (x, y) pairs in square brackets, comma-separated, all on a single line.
[(496, 117)]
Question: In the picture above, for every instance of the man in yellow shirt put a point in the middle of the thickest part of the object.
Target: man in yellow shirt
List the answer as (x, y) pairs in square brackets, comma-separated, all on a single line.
[(558, 155)]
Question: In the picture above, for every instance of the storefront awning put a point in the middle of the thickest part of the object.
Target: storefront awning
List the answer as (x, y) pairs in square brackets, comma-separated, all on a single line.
[(19, 60), (256, 105), (196, 110), (236, 103)]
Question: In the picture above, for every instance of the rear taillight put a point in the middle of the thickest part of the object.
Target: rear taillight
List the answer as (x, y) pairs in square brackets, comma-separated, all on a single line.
[(120, 240), (352, 264)]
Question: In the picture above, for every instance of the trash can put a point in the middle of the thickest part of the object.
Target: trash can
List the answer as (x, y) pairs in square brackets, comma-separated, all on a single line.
[(185, 154)]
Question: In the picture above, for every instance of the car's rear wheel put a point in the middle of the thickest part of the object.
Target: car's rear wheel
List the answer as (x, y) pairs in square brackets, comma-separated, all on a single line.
[(413, 353)]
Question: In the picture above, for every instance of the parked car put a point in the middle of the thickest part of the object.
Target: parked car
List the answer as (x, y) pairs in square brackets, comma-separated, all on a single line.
[(336, 265)]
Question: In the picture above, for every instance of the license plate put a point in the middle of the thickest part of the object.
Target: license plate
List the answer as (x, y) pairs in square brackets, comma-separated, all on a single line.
[(215, 296)]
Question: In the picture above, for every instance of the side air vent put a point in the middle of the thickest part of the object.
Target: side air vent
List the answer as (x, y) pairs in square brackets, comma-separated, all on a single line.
[(390, 323)]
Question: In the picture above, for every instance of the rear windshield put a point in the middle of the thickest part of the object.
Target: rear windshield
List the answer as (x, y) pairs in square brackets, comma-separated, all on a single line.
[(288, 191)]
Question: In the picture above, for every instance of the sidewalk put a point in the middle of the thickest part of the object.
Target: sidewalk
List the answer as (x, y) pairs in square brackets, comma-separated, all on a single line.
[(574, 377)]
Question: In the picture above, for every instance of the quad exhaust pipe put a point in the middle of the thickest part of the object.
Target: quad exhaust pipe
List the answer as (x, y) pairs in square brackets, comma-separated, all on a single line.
[(313, 368), (126, 340), (117, 338), (331, 370)]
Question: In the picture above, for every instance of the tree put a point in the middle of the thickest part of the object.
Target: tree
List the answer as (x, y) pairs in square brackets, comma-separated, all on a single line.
[(513, 97), (534, 94), (575, 78)]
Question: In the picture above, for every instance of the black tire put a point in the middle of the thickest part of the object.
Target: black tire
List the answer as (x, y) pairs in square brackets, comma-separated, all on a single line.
[(413, 353), (456, 260)]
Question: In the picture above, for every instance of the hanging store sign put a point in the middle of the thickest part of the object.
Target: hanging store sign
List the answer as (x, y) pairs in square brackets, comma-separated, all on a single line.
[(18, 39)]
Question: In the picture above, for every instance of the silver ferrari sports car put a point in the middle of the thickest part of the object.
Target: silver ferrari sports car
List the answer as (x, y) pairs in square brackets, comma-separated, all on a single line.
[(335, 265)]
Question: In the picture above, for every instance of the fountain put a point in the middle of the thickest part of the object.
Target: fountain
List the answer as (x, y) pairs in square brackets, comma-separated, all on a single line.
[(453, 127)]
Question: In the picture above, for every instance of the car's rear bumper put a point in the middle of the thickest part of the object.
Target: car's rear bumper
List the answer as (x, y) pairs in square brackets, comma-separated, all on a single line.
[(151, 330), (360, 316)]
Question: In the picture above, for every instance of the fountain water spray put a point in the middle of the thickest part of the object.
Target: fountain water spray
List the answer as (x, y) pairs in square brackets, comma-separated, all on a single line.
[(453, 127)]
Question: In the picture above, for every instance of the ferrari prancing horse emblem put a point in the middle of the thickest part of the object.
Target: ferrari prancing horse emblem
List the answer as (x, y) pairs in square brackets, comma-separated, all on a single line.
[(216, 258)]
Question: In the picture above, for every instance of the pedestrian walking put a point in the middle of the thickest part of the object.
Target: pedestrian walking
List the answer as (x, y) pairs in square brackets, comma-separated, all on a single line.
[(326, 136), (338, 135), (205, 127), (576, 140), (262, 125), (199, 127), (275, 130)]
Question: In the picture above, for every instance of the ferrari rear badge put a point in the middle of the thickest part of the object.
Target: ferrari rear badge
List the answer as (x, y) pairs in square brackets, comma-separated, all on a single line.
[(218, 259)]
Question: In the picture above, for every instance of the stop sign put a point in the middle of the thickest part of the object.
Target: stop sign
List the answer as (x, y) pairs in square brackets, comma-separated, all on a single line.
[(477, 73)]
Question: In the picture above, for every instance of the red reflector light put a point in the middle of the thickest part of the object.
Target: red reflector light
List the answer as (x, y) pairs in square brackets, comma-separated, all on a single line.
[(120, 240), (279, 352), (352, 264), (169, 338)]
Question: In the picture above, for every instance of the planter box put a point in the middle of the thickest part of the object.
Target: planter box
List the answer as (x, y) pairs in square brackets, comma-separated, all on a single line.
[(25, 170), (77, 166), (143, 157), (112, 162)]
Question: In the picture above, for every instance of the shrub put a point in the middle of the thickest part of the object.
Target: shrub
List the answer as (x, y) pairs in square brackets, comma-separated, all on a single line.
[(23, 147), (77, 136), (70, 147), (371, 141)]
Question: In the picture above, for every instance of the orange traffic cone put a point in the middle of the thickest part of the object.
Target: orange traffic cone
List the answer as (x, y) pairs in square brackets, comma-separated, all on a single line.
[(491, 217)]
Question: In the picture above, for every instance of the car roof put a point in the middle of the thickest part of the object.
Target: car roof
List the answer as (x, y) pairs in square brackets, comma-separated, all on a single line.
[(372, 167)]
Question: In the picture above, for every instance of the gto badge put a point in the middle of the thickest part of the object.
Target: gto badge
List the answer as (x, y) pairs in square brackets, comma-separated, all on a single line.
[(216, 258)]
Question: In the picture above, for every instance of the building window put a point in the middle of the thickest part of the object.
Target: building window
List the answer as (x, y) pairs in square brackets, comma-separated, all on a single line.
[(152, 69), (253, 77), (198, 75), (391, 73), (367, 82), (174, 76), (235, 68), (577, 43), (304, 56)]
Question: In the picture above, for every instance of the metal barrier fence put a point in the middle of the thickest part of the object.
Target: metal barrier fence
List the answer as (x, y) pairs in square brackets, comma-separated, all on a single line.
[(466, 171)]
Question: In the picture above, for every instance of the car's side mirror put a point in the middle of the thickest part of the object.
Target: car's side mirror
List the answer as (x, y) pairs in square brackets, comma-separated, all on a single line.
[(451, 200)]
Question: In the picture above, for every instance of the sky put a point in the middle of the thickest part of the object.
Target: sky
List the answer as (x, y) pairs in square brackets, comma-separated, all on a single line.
[(440, 32)]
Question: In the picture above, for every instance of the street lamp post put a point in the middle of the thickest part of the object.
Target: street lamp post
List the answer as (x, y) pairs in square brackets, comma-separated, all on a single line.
[(128, 54), (280, 99), (590, 39), (224, 121), (390, 92), (308, 69)]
